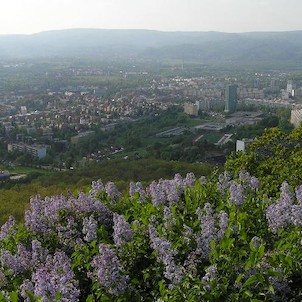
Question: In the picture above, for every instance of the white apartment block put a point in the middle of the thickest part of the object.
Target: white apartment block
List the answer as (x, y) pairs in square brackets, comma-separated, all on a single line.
[(296, 117), (37, 151)]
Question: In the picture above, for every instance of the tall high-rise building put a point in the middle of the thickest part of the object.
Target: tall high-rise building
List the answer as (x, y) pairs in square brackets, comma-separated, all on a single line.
[(230, 99)]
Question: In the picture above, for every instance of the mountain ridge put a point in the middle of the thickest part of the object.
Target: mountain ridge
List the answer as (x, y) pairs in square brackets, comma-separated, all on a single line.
[(205, 47)]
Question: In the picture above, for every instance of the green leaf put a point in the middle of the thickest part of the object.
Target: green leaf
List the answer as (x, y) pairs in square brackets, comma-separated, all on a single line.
[(90, 299), (13, 296), (248, 293), (251, 280)]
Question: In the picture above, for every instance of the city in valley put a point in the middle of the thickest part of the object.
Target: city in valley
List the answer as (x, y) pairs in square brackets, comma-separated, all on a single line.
[(49, 122)]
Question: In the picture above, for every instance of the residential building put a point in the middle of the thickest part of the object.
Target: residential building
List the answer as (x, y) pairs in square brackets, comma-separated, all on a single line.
[(37, 151), (191, 109)]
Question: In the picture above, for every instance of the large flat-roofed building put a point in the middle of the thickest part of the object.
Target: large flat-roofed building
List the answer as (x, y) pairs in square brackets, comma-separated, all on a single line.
[(37, 151), (230, 99)]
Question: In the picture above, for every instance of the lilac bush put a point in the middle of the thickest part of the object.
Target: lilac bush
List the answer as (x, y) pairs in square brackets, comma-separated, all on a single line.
[(176, 240)]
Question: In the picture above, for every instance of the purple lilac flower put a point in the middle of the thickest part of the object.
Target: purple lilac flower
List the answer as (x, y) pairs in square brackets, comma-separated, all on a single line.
[(189, 180), (280, 285), (89, 228), (187, 233), (157, 195), (27, 286), (96, 187), (213, 227), (88, 205), (236, 194), (68, 232), (38, 253), (53, 277), (167, 191), (122, 232), (165, 255), (108, 271), (112, 191), (169, 220), (191, 263), (210, 274), (45, 216), (24, 259), (17, 263), (223, 182), (279, 214), (296, 215), (171, 190), (245, 177), (179, 182), (247, 180), (137, 188), (7, 228), (254, 182), (208, 231), (298, 192), (223, 224)]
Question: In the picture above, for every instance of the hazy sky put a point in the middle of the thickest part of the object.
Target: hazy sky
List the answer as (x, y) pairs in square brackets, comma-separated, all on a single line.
[(30, 16)]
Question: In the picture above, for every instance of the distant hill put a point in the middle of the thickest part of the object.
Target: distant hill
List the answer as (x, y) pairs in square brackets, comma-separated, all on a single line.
[(205, 47)]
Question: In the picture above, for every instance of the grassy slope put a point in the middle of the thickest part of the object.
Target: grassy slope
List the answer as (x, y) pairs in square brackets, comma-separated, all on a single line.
[(14, 198)]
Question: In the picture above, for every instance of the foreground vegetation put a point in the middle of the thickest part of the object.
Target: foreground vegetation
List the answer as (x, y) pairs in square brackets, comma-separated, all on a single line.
[(228, 237)]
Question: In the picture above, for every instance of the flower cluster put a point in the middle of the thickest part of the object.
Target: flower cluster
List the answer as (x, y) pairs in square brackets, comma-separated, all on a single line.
[(53, 277), (139, 189), (48, 215), (210, 274), (108, 271), (90, 228), (169, 191), (122, 232), (223, 182), (248, 181), (285, 211), (213, 227), (7, 228), (236, 194), (112, 191), (165, 254)]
